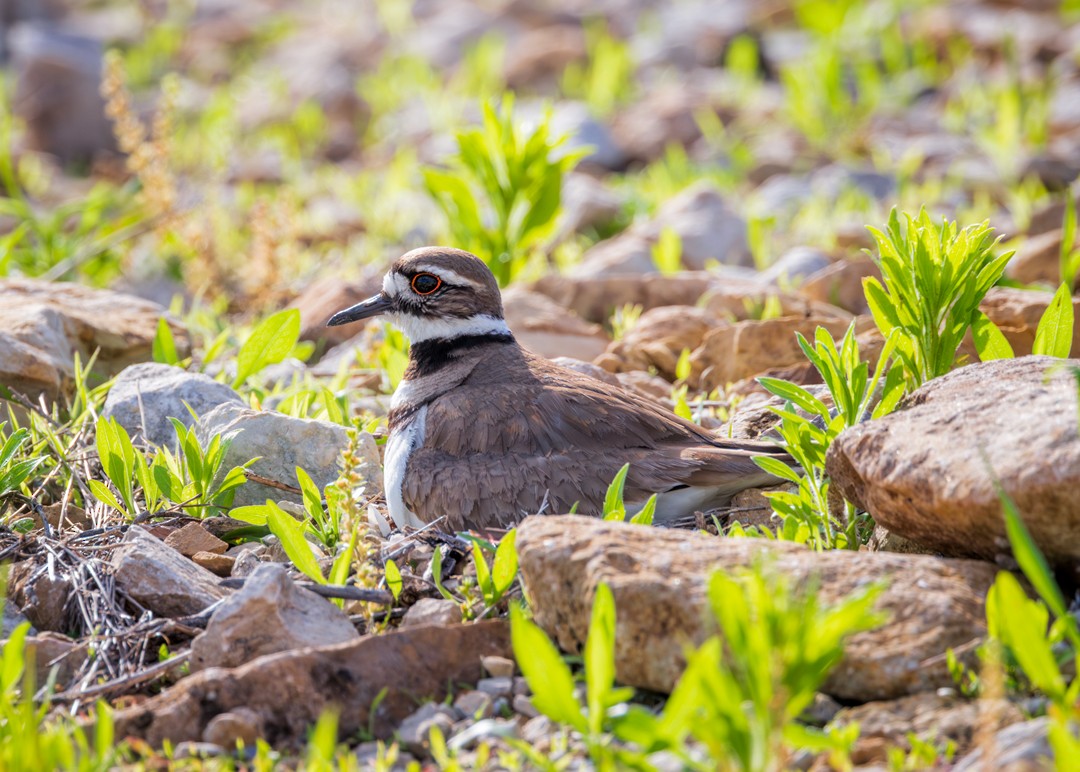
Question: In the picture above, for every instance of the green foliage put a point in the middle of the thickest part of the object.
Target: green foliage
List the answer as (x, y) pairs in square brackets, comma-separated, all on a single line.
[(290, 532), (503, 191), (495, 580), (615, 506), (741, 693), (164, 345), (1069, 255), (667, 252), (606, 80), (393, 578), (935, 277), (16, 467), (1023, 627), (855, 395), (1054, 335), (269, 343), (195, 474), (126, 467)]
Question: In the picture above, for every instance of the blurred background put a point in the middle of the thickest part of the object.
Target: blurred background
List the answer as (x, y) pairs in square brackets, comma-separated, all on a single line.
[(235, 153)]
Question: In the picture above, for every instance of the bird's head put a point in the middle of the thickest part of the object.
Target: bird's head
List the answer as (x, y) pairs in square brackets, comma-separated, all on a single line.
[(435, 292)]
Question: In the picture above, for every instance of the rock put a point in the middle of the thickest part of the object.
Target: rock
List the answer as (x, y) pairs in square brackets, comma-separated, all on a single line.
[(587, 368), (221, 565), (659, 579), (57, 93), (1037, 259), (707, 225), (841, 284), (245, 564), (546, 328), (524, 706), (595, 298), (665, 115), (499, 667), (281, 442), (658, 339), (268, 614), (44, 324), (1023, 747), (12, 618), (147, 395), (413, 734), (540, 56), (574, 121), (432, 611), (160, 578), (240, 725), (795, 265), (746, 299), (733, 352), (53, 650), (474, 704), (496, 687), (289, 690), (929, 716), (1018, 312), (42, 596), (926, 472), (587, 203), (194, 538)]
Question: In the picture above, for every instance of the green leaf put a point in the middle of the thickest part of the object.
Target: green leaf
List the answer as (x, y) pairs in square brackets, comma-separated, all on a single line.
[(164, 346), (483, 573), (548, 676), (103, 494), (270, 342), (1054, 336), (614, 508), (990, 343), (600, 656), (1023, 625), (777, 468), (312, 496), (648, 511), (505, 567), (256, 514), (796, 394), (393, 578), (291, 533)]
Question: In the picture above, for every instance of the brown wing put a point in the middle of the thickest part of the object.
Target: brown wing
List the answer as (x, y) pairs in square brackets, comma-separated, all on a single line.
[(558, 437)]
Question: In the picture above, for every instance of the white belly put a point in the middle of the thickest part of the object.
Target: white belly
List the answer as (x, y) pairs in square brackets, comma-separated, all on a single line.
[(401, 444)]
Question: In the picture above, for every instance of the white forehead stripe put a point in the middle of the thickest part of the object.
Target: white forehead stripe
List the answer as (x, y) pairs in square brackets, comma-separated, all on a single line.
[(448, 276), (421, 328)]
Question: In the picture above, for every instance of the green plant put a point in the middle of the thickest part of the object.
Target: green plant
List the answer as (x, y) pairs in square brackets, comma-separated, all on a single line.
[(606, 80), (196, 474), (1023, 627), (935, 276), (855, 395), (503, 192), (615, 507), (667, 252), (1069, 255), (16, 468), (495, 580), (270, 342), (127, 468)]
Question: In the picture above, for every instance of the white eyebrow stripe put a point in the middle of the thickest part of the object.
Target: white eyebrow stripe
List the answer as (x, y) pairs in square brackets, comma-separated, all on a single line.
[(394, 284), (450, 277)]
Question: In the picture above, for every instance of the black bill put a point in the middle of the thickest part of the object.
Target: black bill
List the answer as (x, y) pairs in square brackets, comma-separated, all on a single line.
[(379, 304)]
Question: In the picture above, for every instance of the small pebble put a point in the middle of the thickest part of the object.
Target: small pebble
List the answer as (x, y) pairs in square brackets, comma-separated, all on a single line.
[(496, 687), (525, 707), (475, 704), (498, 667)]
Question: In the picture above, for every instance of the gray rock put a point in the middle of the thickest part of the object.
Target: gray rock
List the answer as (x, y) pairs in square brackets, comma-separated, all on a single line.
[(474, 704), (707, 225), (795, 265), (57, 94), (281, 442), (496, 687), (414, 730), (583, 130), (147, 395), (432, 611), (482, 730), (587, 203), (268, 614), (160, 578), (1020, 746)]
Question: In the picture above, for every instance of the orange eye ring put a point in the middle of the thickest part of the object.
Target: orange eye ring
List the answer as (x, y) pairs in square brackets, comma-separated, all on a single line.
[(425, 283)]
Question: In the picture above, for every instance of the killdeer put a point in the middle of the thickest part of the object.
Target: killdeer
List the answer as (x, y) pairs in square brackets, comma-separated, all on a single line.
[(484, 432)]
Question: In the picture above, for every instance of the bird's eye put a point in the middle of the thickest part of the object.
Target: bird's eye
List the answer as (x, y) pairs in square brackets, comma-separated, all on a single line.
[(425, 283)]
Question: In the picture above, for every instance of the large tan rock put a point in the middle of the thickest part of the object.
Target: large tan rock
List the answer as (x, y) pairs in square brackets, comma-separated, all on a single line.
[(1018, 312), (841, 284), (546, 328), (742, 299), (1037, 259), (731, 353), (658, 339), (288, 691), (44, 324), (160, 578), (927, 471), (659, 579)]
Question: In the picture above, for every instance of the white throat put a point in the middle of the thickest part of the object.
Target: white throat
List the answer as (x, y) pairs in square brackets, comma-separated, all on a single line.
[(417, 328)]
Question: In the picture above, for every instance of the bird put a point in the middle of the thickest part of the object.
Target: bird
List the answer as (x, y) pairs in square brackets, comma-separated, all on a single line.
[(483, 432)]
